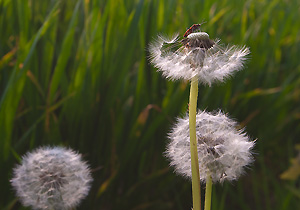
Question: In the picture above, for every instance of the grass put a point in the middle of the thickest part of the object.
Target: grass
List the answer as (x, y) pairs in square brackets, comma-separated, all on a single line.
[(76, 73)]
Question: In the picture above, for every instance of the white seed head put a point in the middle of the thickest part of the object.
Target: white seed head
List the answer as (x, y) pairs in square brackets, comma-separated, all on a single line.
[(52, 178), (223, 150), (199, 56)]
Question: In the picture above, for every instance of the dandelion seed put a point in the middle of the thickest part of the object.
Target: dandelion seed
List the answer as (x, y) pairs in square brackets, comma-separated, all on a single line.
[(52, 178), (223, 150), (197, 55)]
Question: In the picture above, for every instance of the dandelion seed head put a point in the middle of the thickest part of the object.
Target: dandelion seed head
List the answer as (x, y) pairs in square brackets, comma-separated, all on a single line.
[(52, 178), (223, 150), (198, 56)]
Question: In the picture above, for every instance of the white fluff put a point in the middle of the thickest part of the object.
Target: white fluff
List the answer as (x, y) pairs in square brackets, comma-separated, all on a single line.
[(223, 150), (212, 65), (52, 178)]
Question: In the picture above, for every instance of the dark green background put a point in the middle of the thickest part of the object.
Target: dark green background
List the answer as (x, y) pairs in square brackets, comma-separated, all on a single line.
[(76, 73)]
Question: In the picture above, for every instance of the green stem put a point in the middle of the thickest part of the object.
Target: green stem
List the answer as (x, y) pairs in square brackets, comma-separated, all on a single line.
[(208, 193), (193, 143)]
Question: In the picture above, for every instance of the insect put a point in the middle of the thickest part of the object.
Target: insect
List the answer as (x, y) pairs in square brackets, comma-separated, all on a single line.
[(191, 29)]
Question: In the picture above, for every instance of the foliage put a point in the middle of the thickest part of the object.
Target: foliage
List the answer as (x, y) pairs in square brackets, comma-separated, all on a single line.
[(76, 73)]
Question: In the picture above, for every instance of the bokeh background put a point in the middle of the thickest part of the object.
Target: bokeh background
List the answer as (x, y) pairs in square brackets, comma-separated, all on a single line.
[(77, 74)]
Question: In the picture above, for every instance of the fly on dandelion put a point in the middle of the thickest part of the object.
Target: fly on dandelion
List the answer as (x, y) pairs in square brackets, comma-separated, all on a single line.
[(193, 28), (196, 55)]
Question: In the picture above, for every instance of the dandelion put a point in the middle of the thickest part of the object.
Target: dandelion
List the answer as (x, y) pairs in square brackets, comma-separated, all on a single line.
[(198, 56), (223, 150), (198, 59), (52, 178)]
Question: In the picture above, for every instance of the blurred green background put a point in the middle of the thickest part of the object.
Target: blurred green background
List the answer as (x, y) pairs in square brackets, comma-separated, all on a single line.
[(76, 73)]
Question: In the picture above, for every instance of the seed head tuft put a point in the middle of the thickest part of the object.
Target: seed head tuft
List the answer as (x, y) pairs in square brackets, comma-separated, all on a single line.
[(52, 178), (223, 150), (197, 55)]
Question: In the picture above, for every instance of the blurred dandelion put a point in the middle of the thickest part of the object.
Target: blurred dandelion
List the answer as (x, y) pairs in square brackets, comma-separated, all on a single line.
[(52, 178), (196, 55), (223, 150)]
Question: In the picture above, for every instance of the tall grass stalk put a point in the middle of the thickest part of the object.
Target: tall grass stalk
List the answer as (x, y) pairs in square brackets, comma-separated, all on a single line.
[(208, 191)]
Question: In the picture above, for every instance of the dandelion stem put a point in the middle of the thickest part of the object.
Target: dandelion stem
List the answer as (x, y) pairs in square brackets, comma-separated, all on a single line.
[(193, 144), (207, 204)]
